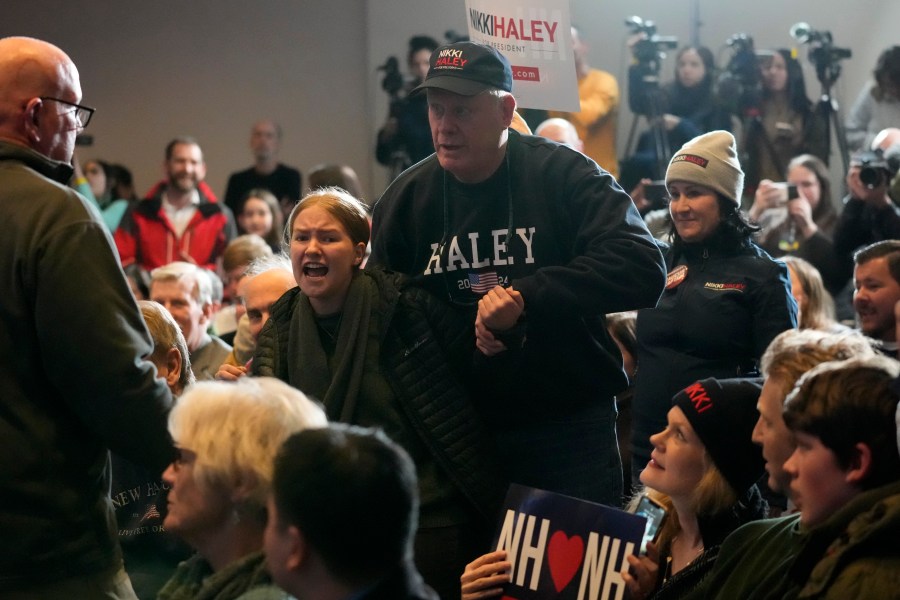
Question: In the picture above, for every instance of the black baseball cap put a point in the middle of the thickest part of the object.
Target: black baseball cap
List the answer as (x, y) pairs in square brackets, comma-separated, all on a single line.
[(467, 68)]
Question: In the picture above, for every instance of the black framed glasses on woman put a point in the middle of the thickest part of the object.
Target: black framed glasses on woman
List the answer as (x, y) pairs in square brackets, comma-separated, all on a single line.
[(82, 113)]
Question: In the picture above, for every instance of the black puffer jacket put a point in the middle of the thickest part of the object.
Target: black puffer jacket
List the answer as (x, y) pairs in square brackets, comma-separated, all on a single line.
[(425, 352)]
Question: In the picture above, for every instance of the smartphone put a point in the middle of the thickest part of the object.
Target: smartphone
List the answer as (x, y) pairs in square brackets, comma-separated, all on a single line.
[(655, 514), (788, 192)]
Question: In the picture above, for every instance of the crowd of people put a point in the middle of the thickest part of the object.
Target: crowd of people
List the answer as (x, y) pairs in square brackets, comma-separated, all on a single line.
[(294, 395)]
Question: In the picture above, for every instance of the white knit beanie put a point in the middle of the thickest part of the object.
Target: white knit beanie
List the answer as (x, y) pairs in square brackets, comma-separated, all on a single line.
[(709, 160)]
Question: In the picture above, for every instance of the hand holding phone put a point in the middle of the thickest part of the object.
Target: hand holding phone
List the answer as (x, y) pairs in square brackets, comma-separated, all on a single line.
[(655, 513), (642, 575), (786, 192), (769, 194)]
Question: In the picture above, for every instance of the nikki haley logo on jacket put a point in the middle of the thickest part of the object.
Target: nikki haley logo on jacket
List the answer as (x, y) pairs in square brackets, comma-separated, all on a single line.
[(725, 287)]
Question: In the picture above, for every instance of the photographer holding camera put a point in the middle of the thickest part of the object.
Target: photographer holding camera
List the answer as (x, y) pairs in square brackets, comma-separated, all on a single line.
[(405, 138), (798, 219), (870, 213)]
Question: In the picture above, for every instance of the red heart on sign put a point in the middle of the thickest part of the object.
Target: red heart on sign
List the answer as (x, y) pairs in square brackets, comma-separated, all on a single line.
[(564, 556)]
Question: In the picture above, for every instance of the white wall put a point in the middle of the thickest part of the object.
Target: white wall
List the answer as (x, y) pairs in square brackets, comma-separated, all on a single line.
[(209, 68)]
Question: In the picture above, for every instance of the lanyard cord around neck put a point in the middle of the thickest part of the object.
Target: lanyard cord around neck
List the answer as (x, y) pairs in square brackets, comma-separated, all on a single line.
[(509, 208)]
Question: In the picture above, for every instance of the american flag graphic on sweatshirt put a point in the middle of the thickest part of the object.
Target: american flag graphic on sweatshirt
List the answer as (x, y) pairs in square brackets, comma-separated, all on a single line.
[(481, 283)]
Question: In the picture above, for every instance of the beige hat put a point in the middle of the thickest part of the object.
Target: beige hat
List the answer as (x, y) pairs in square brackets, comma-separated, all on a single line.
[(710, 160)]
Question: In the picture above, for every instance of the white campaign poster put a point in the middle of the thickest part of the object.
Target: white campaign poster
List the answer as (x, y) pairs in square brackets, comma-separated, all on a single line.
[(535, 35)]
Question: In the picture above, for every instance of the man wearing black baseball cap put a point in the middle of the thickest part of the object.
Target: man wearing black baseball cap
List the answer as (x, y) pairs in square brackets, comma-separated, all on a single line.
[(503, 224), (476, 80), (468, 69)]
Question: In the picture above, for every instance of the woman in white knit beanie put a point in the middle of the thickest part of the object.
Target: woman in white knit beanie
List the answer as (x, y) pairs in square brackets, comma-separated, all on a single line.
[(725, 298)]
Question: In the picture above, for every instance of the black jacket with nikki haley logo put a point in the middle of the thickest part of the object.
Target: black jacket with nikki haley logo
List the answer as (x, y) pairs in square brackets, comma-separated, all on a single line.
[(716, 322)]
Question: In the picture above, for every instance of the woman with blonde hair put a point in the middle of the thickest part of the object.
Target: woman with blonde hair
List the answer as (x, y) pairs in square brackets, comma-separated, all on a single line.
[(814, 303), (381, 352), (227, 436), (703, 470)]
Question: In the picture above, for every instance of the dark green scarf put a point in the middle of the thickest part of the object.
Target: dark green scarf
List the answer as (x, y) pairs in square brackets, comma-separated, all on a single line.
[(194, 580), (308, 361)]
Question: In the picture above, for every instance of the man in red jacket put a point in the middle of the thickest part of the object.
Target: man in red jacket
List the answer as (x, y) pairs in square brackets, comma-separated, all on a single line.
[(180, 219)]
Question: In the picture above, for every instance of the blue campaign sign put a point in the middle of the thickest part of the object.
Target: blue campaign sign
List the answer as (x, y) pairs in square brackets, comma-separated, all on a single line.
[(565, 548)]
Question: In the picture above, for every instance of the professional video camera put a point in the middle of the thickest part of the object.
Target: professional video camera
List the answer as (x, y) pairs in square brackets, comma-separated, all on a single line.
[(652, 48), (644, 94), (827, 59), (393, 81), (876, 168), (739, 85), (822, 52)]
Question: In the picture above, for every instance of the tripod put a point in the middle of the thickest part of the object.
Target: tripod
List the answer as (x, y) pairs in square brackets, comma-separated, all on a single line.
[(828, 69), (652, 108)]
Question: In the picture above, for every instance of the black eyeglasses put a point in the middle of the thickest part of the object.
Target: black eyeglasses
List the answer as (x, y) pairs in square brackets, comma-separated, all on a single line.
[(82, 113)]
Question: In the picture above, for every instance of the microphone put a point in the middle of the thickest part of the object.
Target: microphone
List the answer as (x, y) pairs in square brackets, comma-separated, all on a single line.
[(804, 34), (800, 31)]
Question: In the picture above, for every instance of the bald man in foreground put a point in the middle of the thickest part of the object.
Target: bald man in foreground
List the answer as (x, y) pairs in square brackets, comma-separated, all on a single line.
[(73, 382)]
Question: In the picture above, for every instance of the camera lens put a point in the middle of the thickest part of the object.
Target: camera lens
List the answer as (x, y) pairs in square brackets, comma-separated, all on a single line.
[(871, 177)]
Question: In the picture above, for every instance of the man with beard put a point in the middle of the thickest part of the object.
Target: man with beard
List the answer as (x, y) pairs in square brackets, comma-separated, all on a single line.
[(180, 219), (876, 292)]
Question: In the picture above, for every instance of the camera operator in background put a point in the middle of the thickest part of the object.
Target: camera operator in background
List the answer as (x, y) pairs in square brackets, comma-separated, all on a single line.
[(870, 213), (405, 138), (679, 111), (878, 104), (783, 124), (738, 85)]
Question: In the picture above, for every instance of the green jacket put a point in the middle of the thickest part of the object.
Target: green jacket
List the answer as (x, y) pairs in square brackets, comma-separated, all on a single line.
[(855, 553), (852, 555), (753, 561)]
